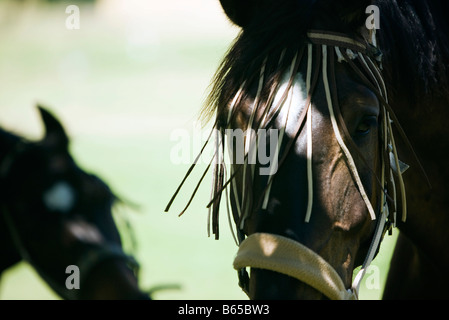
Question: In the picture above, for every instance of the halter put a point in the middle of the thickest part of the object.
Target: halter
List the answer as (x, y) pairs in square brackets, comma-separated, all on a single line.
[(88, 260), (290, 257)]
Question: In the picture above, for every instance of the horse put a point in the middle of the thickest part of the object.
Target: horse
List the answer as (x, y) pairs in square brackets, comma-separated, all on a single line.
[(58, 218), (349, 98)]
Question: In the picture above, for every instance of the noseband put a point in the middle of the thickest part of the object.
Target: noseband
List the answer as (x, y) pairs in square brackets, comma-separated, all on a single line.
[(88, 260)]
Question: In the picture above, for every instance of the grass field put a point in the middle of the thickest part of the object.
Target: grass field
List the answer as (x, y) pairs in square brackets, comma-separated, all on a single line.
[(121, 84)]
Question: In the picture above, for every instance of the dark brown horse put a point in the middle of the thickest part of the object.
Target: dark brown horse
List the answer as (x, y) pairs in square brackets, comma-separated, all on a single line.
[(57, 217), (346, 98)]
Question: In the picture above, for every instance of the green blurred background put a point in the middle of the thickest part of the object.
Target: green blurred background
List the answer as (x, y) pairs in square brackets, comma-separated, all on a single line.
[(135, 72)]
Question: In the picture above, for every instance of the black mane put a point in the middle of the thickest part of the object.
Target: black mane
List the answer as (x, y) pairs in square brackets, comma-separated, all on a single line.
[(413, 37)]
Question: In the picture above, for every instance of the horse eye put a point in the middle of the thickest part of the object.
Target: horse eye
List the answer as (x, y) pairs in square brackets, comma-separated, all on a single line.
[(366, 125)]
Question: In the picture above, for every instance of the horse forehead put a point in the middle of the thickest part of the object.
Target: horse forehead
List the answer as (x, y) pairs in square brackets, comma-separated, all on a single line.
[(294, 103), (59, 197)]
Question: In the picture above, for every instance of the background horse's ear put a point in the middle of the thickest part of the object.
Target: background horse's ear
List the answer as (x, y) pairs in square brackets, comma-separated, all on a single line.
[(54, 131), (242, 12)]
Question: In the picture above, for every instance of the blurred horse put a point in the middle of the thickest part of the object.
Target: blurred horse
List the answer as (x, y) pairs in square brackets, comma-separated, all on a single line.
[(58, 218)]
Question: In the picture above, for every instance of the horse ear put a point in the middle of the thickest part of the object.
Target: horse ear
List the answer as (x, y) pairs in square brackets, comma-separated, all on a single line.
[(54, 131), (241, 12)]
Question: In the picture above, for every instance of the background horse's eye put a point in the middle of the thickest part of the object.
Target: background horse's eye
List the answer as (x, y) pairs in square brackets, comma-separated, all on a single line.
[(366, 125)]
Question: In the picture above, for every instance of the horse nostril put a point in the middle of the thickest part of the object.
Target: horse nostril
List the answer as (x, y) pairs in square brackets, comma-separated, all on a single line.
[(84, 232)]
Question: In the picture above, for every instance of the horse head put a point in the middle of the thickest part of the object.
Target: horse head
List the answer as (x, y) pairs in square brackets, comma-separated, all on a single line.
[(303, 82), (56, 215)]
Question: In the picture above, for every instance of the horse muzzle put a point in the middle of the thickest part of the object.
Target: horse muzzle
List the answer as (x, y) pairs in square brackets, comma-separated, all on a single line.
[(286, 256)]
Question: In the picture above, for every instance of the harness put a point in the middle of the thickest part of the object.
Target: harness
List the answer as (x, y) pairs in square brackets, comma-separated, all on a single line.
[(91, 258)]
